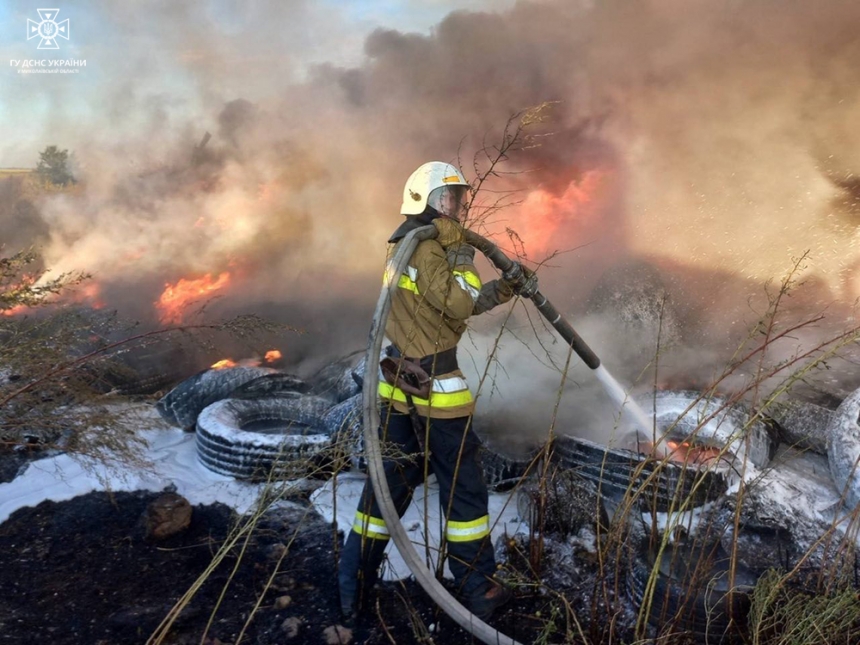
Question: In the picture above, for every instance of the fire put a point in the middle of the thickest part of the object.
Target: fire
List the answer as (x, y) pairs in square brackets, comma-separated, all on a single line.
[(547, 221), (14, 311), (176, 297), (88, 294), (271, 356), (685, 452)]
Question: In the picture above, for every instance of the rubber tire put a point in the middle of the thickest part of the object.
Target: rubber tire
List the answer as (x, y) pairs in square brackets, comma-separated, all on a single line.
[(184, 403), (502, 472), (661, 486), (226, 447), (702, 609), (345, 424), (759, 443), (843, 449)]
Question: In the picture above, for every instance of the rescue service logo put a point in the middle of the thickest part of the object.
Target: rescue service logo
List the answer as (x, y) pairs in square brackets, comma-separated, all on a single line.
[(48, 30)]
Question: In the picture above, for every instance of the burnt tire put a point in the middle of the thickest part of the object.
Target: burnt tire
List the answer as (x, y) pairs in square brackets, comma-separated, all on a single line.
[(339, 380), (278, 437), (562, 505), (658, 485), (503, 471), (688, 591), (344, 422), (712, 421), (182, 404), (843, 449)]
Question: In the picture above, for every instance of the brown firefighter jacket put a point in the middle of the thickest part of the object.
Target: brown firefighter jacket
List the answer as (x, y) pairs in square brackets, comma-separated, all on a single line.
[(429, 310)]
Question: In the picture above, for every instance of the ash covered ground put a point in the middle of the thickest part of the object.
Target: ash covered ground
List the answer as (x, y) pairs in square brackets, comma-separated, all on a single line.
[(84, 571)]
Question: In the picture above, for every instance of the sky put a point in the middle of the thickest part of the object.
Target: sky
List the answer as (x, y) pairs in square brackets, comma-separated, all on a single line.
[(255, 47)]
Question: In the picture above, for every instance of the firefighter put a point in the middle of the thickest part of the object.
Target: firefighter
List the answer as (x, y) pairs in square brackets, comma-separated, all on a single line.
[(425, 399)]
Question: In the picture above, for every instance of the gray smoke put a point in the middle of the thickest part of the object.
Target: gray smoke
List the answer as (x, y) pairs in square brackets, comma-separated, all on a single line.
[(713, 142)]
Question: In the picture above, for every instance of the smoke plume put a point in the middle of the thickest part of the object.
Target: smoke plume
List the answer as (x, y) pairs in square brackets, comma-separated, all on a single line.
[(711, 142)]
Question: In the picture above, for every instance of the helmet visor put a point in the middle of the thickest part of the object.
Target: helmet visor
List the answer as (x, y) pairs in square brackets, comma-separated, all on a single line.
[(449, 201)]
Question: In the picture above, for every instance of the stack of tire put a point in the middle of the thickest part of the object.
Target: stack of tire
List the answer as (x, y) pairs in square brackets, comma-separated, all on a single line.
[(257, 423), (681, 588)]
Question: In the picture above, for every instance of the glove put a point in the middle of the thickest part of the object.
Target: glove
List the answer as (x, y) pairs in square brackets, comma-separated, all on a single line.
[(461, 255), (450, 231), (522, 281)]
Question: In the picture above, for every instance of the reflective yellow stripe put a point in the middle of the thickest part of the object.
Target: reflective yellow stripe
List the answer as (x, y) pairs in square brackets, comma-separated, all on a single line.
[(368, 526), (409, 285), (471, 278), (408, 280), (461, 279), (437, 399), (451, 178), (468, 531)]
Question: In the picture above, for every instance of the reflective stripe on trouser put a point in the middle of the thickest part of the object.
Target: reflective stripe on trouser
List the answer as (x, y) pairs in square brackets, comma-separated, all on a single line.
[(471, 560), (468, 531), (369, 526)]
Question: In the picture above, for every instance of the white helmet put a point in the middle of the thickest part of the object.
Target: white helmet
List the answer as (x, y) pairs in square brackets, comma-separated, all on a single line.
[(438, 184)]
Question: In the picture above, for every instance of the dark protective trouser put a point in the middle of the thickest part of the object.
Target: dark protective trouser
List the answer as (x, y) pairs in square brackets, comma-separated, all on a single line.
[(470, 553)]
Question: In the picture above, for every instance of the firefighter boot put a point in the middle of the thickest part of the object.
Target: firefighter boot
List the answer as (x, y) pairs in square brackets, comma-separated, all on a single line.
[(484, 604)]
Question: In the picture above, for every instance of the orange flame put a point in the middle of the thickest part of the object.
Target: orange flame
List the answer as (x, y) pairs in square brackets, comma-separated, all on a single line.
[(14, 311), (545, 220), (88, 293), (273, 355), (176, 297), (223, 363), (684, 451)]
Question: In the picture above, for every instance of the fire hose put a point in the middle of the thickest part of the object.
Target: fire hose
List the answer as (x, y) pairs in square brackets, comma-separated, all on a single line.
[(423, 575)]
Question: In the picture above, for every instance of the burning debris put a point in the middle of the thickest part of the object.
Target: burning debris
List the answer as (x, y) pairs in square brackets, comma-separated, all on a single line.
[(710, 467), (644, 174), (174, 302)]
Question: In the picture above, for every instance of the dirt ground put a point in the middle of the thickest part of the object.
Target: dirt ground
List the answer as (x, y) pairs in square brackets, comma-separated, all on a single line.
[(83, 572)]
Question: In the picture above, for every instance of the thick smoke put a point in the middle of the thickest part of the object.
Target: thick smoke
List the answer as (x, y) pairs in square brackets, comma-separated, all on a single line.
[(713, 142)]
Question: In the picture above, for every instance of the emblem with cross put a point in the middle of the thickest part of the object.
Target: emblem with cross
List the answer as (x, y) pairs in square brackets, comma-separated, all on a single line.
[(49, 29)]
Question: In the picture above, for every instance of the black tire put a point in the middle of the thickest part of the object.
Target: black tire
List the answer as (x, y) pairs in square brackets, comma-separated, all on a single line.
[(269, 385), (659, 486), (711, 421), (691, 593), (336, 381), (563, 505), (801, 424), (502, 471), (277, 437), (344, 422), (140, 370), (182, 404), (843, 448)]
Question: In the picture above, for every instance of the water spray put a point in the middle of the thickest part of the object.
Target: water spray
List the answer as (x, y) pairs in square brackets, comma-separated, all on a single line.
[(545, 307)]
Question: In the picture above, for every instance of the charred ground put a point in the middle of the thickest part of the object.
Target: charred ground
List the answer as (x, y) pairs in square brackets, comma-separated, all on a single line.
[(83, 571)]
